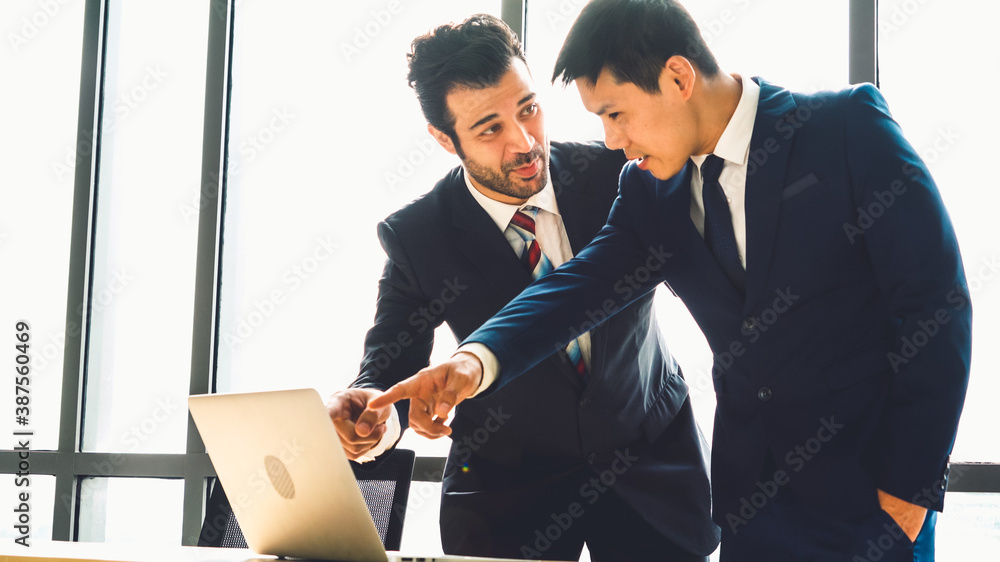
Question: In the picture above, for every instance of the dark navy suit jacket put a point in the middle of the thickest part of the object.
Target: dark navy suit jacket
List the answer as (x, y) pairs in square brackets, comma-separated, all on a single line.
[(848, 357), (448, 262)]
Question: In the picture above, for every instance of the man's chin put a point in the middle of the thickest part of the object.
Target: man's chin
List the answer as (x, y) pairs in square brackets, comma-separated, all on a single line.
[(664, 173), (529, 186)]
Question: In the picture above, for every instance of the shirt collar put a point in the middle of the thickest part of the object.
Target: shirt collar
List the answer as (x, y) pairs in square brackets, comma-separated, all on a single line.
[(734, 144), (501, 213)]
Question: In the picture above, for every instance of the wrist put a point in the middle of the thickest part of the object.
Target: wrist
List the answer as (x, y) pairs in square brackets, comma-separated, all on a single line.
[(487, 365), (475, 363)]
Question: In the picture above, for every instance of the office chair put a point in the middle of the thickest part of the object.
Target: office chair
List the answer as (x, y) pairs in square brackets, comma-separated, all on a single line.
[(385, 487)]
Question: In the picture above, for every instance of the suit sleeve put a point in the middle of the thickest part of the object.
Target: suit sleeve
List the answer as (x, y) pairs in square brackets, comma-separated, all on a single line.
[(915, 256), (400, 342), (577, 296)]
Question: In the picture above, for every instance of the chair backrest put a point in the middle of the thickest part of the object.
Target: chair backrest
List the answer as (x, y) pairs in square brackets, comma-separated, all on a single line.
[(385, 487)]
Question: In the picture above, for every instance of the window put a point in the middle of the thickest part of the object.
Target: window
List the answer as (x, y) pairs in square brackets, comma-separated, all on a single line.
[(144, 245), (952, 129), (39, 157)]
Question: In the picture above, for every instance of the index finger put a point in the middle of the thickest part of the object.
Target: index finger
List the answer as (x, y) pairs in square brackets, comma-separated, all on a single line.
[(400, 391)]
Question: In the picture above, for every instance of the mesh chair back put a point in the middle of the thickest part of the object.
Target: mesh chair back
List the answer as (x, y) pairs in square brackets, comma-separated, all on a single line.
[(385, 487)]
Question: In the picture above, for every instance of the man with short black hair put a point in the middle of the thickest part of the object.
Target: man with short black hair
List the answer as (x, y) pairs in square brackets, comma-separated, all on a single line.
[(810, 244), (600, 446)]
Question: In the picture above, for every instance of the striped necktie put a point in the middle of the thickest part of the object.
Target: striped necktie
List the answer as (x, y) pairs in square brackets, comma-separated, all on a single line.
[(523, 223)]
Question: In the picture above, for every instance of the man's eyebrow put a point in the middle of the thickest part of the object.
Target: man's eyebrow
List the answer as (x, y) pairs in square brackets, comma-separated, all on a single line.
[(484, 120), (493, 116), (602, 110)]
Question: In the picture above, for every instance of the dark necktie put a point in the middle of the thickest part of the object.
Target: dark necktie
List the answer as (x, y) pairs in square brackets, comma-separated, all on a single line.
[(523, 223), (719, 233)]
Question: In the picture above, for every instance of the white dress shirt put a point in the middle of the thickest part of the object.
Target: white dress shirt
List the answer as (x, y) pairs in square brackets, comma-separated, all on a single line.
[(554, 243), (733, 147)]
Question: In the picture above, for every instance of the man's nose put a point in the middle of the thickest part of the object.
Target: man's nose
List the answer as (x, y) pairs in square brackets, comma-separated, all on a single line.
[(521, 140), (613, 138)]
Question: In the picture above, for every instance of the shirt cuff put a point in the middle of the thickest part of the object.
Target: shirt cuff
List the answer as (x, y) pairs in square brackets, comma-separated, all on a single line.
[(389, 438), (491, 366)]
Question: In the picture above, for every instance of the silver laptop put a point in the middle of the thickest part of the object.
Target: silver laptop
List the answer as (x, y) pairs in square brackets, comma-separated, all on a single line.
[(287, 478)]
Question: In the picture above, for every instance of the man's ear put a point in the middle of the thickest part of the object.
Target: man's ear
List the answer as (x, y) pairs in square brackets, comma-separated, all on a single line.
[(678, 73), (442, 138)]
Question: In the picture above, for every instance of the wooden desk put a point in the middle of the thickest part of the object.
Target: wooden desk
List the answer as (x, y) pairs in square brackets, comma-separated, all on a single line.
[(61, 551)]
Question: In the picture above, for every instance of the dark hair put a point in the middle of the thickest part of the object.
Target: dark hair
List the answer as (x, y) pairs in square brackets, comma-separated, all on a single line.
[(632, 39), (476, 54)]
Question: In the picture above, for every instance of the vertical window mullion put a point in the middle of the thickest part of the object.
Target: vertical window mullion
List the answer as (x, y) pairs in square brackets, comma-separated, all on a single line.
[(204, 339), (512, 12), (81, 262), (863, 34)]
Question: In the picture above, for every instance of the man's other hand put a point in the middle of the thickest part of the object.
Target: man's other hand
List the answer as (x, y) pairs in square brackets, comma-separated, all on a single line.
[(908, 516), (360, 428), (434, 391)]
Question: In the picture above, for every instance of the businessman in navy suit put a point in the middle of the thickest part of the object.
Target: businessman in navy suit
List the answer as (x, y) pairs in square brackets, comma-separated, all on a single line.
[(810, 244), (599, 446)]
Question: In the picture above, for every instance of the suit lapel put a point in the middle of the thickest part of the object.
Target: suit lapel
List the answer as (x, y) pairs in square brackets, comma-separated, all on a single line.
[(485, 246), (765, 180)]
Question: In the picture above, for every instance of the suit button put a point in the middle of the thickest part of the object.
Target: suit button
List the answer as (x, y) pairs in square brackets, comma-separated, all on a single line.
[(764, 394), (585, 402), (749, 323), (591, 458)]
